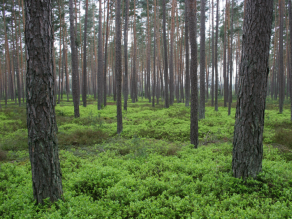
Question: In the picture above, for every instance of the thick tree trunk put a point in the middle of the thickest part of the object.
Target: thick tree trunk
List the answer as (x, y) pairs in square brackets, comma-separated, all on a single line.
[(251, 101), (41, 119), (119, 67), (202, 62), (148, 53), (74, 60), (192, 15)]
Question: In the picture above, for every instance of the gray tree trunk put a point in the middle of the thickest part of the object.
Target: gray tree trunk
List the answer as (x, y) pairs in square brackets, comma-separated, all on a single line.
[(74, 60), (192, 15), (165, 57), (126, 56), (281, 63), (251, 100), (216, 57), (84, 78), (202, 62), (119, 67), (187, 80), (100, 60), (41, 119), (290, 76)]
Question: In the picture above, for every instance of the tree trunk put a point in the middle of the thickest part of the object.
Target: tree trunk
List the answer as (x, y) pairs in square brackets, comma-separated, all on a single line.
[(74, 60), (213, 56), (216, 57), (165, 58), (118, 56), (281, 63), (187, 80), (100, 59), (290, 73), (251, 101), (105, 57), (41, 119), (154, 58), (202, 62), (84, 78), (230, 61), (148, 53), (192, 15), (126, 56)]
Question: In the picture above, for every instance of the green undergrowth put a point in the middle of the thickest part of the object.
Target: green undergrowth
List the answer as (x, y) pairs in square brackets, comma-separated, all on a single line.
[(141, 120), (148, 178)]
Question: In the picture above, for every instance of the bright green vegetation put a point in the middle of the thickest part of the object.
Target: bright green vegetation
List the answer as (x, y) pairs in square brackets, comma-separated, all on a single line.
[(150, 170)]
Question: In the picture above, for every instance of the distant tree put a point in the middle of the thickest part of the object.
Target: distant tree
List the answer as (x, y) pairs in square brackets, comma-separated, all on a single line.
[(119, 67), (251, 100), (192, 15), (230, 61), (84, 79), (187, 80), (126, 55), (100, 59), (74, 60), (202, 62), (165, 57), (216, 57), (281, 61), (41, 118), (290, 73)]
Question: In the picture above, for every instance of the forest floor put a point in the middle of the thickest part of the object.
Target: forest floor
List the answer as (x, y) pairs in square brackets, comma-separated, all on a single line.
[(151, 170)]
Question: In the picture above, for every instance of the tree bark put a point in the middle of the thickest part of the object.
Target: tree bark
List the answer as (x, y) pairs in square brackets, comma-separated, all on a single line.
[(290, 76), (230, 61), (100, 59), (165, 57), (251, 100), (41, 119), (202, 62), (118, 67), (213, 56), (84, 79), (281, 63), (74, 61), (187, 80), (192, 15)]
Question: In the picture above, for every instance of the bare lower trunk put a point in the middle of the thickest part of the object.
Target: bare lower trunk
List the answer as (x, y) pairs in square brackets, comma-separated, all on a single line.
[(41, 119), (250, 109)]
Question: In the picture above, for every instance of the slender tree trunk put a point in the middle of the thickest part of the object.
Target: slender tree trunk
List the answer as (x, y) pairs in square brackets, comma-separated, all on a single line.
[(202, 62), (165, 58), (148, 53), (126, 55), (216, 57), (16, 59), (118, 67), (105, 57), (41, 119), (251, 100), (154, 57), (224, 61), (84, 79), (74, 60), (213, 56), (187, 80), (290, 76), (192, 15), (281, 63), (100, 59), (230, 61)]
